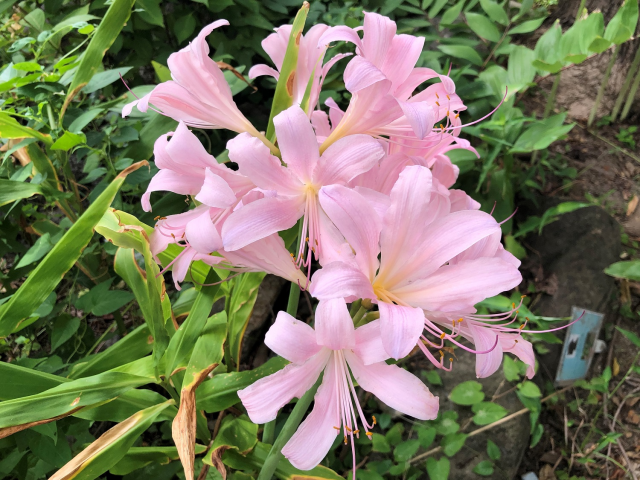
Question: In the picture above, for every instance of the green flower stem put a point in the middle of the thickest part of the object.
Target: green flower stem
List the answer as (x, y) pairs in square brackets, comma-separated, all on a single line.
[(291, 425), (355, 306), (369, 317), (603, 86)]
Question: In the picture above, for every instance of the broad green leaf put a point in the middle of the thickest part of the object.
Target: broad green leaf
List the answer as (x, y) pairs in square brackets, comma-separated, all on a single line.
[(220, 392), (438, 469), (21, 381), (112, 446), (629, 269), (285, 471), (67, 397), (452, 13), (83, 120), (139, 457), (405, 450), (483, 27), (510, 369), (599, 45), (185, 337), (283, 96), (623, 24), (495, 12), (484, 468), (520, 70), (10, 128), (467, 393), (447, 423), (426, 436), (529, 390), (45, 277), (526, 27), (150, 12), (487, 412), (547, 47), (462, 51), (380, 444), (104, 36), (574, 46), (632, 337), (453, 443), (63, 329), (184, 27), (163, 73), (69, 140), (156, 125), (136, 344), (101, 301), (11, 190), (208, 351), (493, 450), (102, 79), (239, 434), (243, 299), (541, 134)]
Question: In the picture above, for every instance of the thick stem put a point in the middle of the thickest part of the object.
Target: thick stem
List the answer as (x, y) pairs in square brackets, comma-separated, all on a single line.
[(269, 432), (603, 86), (291, 425), (631, 75)]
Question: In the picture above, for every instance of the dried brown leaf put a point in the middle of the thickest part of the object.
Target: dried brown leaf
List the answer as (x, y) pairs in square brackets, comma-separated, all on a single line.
[(633, 204), (5, 432)]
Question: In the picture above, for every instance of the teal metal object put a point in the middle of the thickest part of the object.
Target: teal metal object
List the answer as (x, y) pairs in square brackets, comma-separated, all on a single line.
[(579, 346)]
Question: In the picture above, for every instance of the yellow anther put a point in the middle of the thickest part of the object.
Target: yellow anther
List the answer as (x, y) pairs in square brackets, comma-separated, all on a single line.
[(521, 326), (437, 104), (374, 419), (307, 239), (337, 428), (513, 305), (516, 341), (292, 255), (447, 113), (448, 97), (527, 318), (442, 335), (457, 115), (356, 432), (174, 237), (523, 296), (345, 439), (441, 353), (369, 434), (437, 96), (157, 218), (348, 429)]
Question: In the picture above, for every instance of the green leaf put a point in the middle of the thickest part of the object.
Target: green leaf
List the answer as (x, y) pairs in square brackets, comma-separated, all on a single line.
[(528, 26), (156, 125), (110, 448), (208, 351), (184, 27), (150, 12), (405, 450), (632, 337), (467, 393), (495, 12), (493, 450), (163, 73), (104, 36), (599, 45), (529, 390), (438, 469), (67, 397), (63, 329), (484, 468), (102, 79), (623, 24), (426, 436), (220, 392), (541, 134), (243, 298), (185, 337), (45, 277), (283, 96), (483, 27), (520, 70), (451, 14), (510, 369), (83, 120), (433, 377), (69, 140), (629, 269), (139, 457), (514, 247), (547, 47), (487, 412), (11, 190), (101, 301), (462, 51), (453, 443), (380, 444), (447, 423), (239, 434), (10, 128)]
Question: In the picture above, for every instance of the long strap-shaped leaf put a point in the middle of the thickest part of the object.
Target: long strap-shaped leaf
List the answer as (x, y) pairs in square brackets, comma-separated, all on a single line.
[(107, 450), (14, 315), (106, 33), (283, 97)]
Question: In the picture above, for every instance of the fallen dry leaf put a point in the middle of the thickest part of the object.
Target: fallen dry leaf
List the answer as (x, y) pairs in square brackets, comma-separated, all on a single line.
[(633, 417), (633, 204), (547, 473), (616, 367)]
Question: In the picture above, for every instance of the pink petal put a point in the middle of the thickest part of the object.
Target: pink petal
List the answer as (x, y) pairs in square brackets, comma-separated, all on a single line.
[(297, 142), (180, 267), (334, 326), (315, 435), (292, 339), (265, 171), (461, 201), (415, 78), (186, 153), (260, 219), (444, 171), (320, 122), (170, 181), (348, 157), (484, 339), (361, 73), (401, 58), (521, 348), (263, 70), (420, 115), (369, 347), (379, 32), (340, 280), (202, 234), (400, 328), (341, 33), (459, 287), (378, 201), (395, 387), (216, 192), (332, 245), (265, 397), (276, 44), (357, 221)]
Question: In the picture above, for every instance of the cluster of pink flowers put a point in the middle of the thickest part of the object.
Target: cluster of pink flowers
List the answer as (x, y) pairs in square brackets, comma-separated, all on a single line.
[(372, 186)]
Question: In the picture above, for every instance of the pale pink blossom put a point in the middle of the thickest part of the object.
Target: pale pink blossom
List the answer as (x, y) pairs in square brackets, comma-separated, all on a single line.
[(187, 169), (199, 94), (430, 259), (339, 350), (309, 72), (291, 191)]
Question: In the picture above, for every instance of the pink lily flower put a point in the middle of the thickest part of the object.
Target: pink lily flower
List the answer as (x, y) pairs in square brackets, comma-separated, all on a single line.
[(198, 95), (187, 169), (339, 350), (431, 259), (293, 190), (309, 67), (198, 232)]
